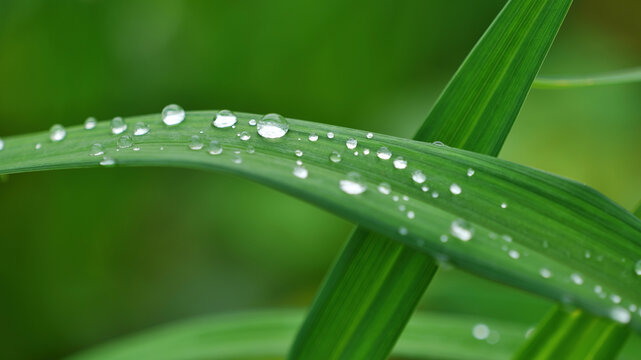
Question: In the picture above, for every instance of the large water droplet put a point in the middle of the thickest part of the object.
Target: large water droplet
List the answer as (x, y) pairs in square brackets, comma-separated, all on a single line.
[(141, 128), (545, 273), (244, 136), (480, 331), (125, 141), (577, 279), (107, 161), (353, 184), (351, 143), (384, 153), (461, 230), (272, 126), (384, 188), (418, 177), (224, 118), (215, 148), (118, 125), (300, 172), (90, 123), (455, 189), (313, 137), (620, 315), (400, 163), (335, 157), (196, 143), (173, 114), (57, 133), (330, 135)]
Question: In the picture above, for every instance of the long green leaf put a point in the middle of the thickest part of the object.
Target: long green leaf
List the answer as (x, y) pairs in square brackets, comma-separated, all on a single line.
[(360, 297), (613, 78), (546, 223)]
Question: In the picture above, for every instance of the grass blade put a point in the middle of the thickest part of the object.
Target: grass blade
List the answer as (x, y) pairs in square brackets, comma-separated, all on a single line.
[(559, 220), (613, 78), (346, 317)]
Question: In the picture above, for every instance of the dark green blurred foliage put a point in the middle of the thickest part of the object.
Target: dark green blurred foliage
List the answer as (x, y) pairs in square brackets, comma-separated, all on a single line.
[(88, 255)]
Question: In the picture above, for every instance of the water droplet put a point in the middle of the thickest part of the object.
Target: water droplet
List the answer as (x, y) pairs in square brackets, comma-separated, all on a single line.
[(125, 141), (418, 177), (434, 194), (136, 148), (438, 143), (330, 135), (237, 159), (425, 188), (214, 148), (335, 157), (400, 163), (632, 307), (299, 162), (355, 153), (503, 205), (97, 150), (250, 149), (252, 122), (272, 126), (514, 254), (173, 114), (494, 337), (455, 189), (224, 119), (577, 279), (637, 268), (1, 144), (38, 146), (196, 143), (118, 125), (470, 172), (506, 237), (352, 184), (401, 207), (480, 331), (384, 188), (351, 143), (107, 161), (620, 315), (384, 153), (529, 332), (443, 238), (90, 123), (615, 298), (57, 133), (598, 289), (406, 198), (545, 273), (461, 230), (313, 137), (141, 128), (369, 135), (402, 230), (365, 151), (411, 215), (298, 153), (300, 172), (244, 136)]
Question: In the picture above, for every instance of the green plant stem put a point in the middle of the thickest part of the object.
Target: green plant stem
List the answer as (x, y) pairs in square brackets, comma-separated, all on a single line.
[(475, 112), (614, 78), (574, 334)]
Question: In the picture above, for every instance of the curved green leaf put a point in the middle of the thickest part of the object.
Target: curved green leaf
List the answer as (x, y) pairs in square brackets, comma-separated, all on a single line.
[(547, 222), (613, 78)]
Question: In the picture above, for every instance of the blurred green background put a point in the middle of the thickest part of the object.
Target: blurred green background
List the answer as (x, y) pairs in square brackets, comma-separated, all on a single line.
[(90, 255)]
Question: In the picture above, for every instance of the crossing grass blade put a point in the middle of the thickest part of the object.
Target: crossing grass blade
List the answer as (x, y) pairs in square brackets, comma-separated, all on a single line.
[(613, 78), (548, 222), (359, 297)]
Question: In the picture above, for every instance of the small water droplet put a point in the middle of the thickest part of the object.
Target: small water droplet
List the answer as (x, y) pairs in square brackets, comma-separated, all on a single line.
[(272, 126), (224, 119), (252, 122), (620, 315), (97, 150), (215, 148), (506, 237), (480, 331), (330, 135), (410, 214), (400, 163), (136, 148), (196, 143), (425, 188), (402, 230), (351, 143), (461, 230), (434, 194), (405, 198), (455, 189), (244, 136), (118, 125), (335, 157), (1, 144), (545, 273), (615, 298), (90, 123), (438, 143), (237, 159), (369, 135), (299, 162), (352, 184), (298, 153), (418, 177), (300, 172), (250, 149), (637, 268), (514, 254), (125, 141), (384, 188), (598, 289), (355, 153), (401, 207), (503, 205), (396, 198), (38, 146), (107, 161), (384, 153), (365, 151), (443, 238), (173, 114), (57, 133), (470, 172), (141, 128), (313, 137), (577, 279)]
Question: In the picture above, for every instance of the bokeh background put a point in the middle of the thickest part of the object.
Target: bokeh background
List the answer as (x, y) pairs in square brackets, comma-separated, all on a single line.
[(90, 255)]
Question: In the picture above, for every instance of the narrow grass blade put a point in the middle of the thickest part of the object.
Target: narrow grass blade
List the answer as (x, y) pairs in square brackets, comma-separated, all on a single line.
[(346, 317), (558, 219), (614, 78)]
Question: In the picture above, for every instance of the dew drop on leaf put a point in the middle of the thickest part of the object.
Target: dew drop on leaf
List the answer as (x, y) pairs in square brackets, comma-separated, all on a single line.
[(224, 119), (214, 148), (173, 114), (455, 189), (352, 184), (57, 133), (545, 273), (400, 163), (418, 177), (252, 122), (480, 331), (107, 161), (620, 315), (300, 172), (90, 123), (384, 153), (369, 135), (97, 150), (351, 143), (514, 254), (196, 143), (272, 126), (335, 157), (461, 230), (118, 125), (577, 279), (298, 152), (125, 141), (1, 144), (141, 128), (384, 188), (402, 230), (470, 172), (244, 136), (637, 268), (313, 137)]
